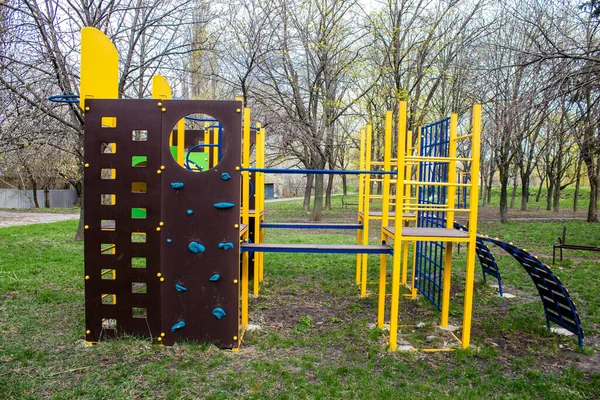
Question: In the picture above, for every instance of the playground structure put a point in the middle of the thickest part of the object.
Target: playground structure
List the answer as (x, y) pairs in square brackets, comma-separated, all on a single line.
[(170, 212)]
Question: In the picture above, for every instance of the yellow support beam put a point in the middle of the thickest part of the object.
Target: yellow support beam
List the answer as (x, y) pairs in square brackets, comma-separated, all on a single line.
[(387, 156), (473, 200), (398, 228), (245, 210), (366, 205), (359, 233)]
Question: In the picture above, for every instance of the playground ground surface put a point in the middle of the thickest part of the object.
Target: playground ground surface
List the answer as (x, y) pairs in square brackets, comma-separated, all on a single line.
[(315, 338)]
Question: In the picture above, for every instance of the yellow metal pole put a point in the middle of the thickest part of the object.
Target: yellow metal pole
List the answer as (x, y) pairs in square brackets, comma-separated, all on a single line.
[(473, 205), (180, 141), (446, 285), (359, 233), (449, 220), (387, 157), (366, 205), (245, 211), (258, 192), (261, 208), (216, 148), (398, 227)]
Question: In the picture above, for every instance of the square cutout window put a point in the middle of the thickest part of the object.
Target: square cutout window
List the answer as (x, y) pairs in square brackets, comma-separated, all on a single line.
[(108, 199), (139, 135), (109, 323), (138, 262), (108, 248), (138, 287), (108, 147), (139, 161), (109, 122), (138, 237), (108, 224), (108, 173), (109, 299), (108, 274), (139, 187), (138, 312), (138, 213)]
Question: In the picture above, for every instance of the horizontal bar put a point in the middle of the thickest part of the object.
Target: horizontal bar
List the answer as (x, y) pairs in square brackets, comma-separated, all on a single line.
[(470, 135), (315, 248), (436, 159), (317, 171), (423, 183), (309, 226)]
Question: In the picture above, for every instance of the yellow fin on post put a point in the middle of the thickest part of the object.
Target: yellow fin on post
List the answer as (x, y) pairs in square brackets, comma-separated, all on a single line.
[(99, 74), (160, 88)]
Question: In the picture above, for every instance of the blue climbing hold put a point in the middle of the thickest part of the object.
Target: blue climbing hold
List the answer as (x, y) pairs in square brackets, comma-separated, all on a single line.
[(180, 288), (214, 278), (196, 248), (177, 326), (169, 240), (226, 245), (177, 185), (224, 205), (225, 176), (219, 312), (189, 212)]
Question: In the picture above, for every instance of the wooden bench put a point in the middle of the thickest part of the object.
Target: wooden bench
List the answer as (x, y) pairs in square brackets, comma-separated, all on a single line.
[(560, 243), (346, 203)]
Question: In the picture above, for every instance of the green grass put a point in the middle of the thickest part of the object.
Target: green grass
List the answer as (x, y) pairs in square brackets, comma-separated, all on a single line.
[(315, 340)]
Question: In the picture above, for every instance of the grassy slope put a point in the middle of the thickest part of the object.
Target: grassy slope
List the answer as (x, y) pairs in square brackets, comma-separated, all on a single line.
[(315, 340)]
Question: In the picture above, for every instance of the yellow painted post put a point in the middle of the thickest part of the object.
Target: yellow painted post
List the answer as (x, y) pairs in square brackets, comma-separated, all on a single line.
[(387, 157), (398, 227), (245, 211), (413, 289), (180, 141), (99, 71), (261, 201), (449, 220), (366, 205), (258, 193), (359, 233), (162, 91), (216, 148), (473, 205), (446, 285)]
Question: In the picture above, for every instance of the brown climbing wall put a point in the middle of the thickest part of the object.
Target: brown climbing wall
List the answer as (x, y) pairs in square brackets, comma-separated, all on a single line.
[(143, 224)]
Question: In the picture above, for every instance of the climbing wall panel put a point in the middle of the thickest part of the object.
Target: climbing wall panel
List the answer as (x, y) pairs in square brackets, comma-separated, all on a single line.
[(429, 269), (161, 260), (200, 236), (122, 210)]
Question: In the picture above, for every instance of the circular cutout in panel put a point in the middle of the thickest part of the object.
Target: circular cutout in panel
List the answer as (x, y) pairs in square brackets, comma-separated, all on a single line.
[(201, 136)]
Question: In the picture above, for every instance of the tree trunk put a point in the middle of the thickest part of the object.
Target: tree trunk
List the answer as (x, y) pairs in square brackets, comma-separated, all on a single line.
[(344, 185), (46, 198), (594, 178), (539, 191), (559, 166), (317, 212), (489, 188), (34, 187), (328, 192), (308, 192), (524, 193), (577, 184), (513, 195), (549, 193), (503, 194)]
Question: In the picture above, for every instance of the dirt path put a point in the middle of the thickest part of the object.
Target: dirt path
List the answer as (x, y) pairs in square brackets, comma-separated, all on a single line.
[(10, 218)]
